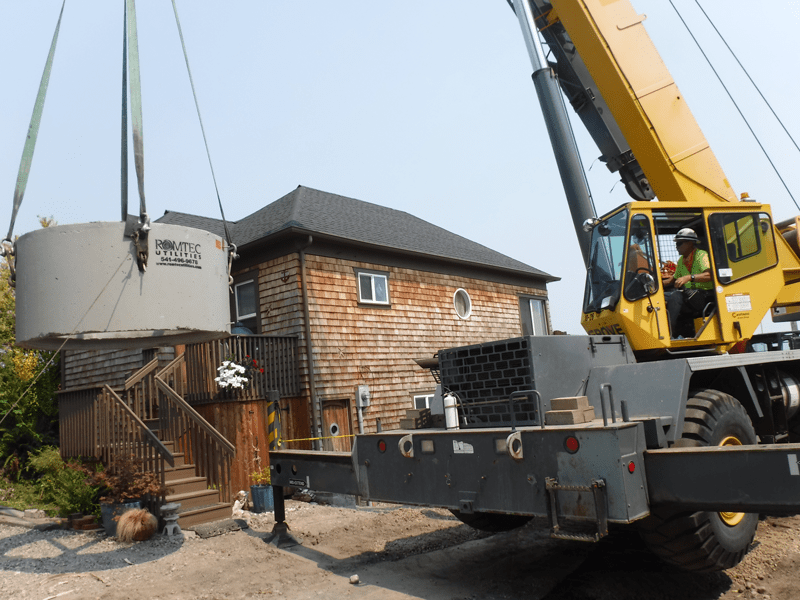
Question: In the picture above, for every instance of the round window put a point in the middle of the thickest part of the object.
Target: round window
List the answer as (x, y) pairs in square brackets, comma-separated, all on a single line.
[(462, 303)]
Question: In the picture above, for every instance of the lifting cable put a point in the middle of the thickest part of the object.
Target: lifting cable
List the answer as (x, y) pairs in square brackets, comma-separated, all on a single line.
[(231, 245), (774, 114), (763, 150), (130, 65), (8, 247)]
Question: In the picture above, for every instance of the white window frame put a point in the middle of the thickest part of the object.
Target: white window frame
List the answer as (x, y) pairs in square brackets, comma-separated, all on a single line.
[(373, 275), (543, 303), (527, 315), (465, 294), (236, 287), (427, 397)]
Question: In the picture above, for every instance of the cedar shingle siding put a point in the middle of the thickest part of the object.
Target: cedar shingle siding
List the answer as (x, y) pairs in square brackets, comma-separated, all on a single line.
[(360, 344), (112, 367)]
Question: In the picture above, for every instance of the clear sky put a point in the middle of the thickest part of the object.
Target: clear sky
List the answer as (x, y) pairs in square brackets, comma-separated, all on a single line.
[(424, 106)]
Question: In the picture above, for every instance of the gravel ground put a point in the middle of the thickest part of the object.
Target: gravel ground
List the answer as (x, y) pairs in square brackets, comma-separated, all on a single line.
[(398, 553)]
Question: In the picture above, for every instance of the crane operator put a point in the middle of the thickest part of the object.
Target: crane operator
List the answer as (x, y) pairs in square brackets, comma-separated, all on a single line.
[(692, 288)]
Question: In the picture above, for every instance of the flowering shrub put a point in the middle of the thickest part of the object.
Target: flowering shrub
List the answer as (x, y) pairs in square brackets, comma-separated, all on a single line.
[(231, 375), (251, 367)]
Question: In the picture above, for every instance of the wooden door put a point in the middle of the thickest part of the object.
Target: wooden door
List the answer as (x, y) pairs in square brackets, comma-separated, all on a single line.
[(336, 422)]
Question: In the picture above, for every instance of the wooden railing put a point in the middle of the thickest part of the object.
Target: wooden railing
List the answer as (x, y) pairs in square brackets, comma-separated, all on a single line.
[(96, 423), (140, 391), (202, 445), (272, 363)]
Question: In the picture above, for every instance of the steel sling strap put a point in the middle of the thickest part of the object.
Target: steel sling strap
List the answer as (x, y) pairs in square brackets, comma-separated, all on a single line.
[(27, 151), (139, 236)]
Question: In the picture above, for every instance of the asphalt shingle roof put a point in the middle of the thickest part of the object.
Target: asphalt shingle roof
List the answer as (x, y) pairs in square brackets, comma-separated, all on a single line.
[(323, 213)]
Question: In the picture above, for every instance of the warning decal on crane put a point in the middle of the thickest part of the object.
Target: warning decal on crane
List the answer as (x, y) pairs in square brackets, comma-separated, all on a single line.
[(738, 302)]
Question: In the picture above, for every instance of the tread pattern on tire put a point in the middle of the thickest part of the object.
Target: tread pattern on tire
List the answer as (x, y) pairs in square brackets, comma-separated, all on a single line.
[(688, 539)]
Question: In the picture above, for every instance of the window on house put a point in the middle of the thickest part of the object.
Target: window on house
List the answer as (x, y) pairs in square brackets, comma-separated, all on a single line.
[(533, 313), (373, 287), (423, 400), (245, 309), (462, 303)]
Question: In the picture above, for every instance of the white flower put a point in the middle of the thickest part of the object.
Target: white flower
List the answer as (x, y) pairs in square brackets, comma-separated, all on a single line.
[(230, 375)]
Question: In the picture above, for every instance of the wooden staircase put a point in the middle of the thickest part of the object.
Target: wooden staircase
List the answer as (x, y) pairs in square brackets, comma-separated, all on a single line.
[(200, 503), (151, 421)]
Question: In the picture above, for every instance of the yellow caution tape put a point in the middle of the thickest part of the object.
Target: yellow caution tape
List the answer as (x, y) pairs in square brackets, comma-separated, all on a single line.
[(311, 439)]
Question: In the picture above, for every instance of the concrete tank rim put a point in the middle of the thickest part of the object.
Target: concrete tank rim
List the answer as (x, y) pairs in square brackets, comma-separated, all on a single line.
[(123, 340)]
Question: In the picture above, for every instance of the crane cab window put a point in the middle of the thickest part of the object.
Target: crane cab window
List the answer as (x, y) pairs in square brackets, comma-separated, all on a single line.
[(640, 259), (667, 224), (606, 260), (743, 244)]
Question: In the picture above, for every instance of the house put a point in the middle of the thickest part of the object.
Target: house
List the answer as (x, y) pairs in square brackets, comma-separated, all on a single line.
[(340, 294)]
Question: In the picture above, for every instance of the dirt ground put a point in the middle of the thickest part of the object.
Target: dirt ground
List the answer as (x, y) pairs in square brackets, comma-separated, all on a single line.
[(396, 552)]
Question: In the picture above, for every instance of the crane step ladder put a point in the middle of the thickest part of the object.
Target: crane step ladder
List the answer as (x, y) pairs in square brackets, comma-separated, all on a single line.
[(598, 491)]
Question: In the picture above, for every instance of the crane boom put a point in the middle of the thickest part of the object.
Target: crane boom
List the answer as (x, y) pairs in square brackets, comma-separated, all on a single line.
[(634, 82)]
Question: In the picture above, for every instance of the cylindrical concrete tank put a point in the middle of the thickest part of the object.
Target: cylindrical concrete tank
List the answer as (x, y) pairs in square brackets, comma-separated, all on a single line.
[(80, 283)]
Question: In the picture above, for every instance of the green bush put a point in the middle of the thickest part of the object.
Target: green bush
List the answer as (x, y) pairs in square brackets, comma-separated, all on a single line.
[(64, 484), (46, 461), (28, 386)]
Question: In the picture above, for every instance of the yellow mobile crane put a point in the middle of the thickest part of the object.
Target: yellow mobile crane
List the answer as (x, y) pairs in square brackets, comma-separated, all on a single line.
[(699, 432), (605, 52)]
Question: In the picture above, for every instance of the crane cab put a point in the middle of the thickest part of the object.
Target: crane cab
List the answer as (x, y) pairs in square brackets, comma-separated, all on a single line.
[(633, 252)]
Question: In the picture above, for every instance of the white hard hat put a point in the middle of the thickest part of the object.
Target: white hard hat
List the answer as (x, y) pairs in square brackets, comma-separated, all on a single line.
[(686, 235)]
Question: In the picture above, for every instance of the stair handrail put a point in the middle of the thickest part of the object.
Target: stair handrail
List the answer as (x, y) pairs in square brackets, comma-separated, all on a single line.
[(151, 438), (140, 374), (195, 416), (172, 367)]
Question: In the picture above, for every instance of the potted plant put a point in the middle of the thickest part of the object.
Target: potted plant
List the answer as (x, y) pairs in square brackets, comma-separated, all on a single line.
[(123, 489), (261, 491)]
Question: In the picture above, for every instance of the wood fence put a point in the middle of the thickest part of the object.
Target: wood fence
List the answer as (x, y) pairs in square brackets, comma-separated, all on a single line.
[(271, 363), (140, 391)]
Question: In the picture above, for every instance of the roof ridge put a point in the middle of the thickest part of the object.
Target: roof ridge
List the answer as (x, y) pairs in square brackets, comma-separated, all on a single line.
[(297, 195), (335, 216)]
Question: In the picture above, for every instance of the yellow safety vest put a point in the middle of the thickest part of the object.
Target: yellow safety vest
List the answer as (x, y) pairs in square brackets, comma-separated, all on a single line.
[(700, 264)]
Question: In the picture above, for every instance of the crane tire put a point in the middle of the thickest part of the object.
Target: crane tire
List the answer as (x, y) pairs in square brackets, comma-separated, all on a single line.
[(704, 540), (491, 522)]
